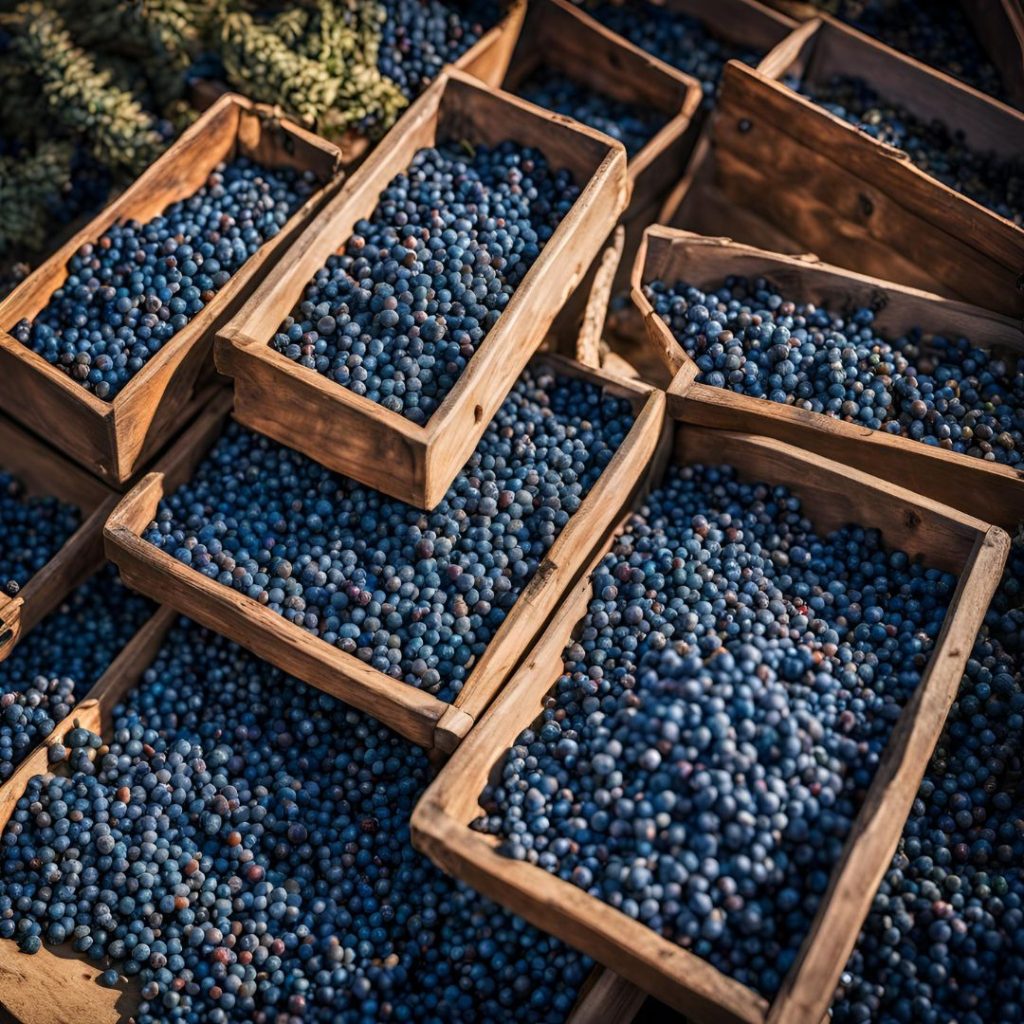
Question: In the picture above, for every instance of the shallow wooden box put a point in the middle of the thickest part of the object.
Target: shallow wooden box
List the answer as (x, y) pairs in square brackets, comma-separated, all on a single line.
[(59, 986), (113, 439), (999, 25), (417, 715), (832, 495), (857, 201), (986, 489), (349, 432), (44, 472)]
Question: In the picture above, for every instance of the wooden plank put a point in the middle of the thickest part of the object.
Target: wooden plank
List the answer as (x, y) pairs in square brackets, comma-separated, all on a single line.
[(441, 821), (415, 714), (358, 437), (989, 490), (112, 439)]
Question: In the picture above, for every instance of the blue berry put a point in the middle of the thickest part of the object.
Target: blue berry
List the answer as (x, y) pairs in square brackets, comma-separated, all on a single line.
[(417, 595), (241, 847), (942, 391), (33, 528), (995, 181), (633, 124), (719, 719), (129, 292), (398, 315)]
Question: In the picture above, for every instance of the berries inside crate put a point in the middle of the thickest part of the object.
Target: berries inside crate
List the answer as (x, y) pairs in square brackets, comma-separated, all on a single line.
[(44, 472), (57, 984), (351, 433), (986, 489), (412, 712), (115, 438), (831, 496), (854, 199)]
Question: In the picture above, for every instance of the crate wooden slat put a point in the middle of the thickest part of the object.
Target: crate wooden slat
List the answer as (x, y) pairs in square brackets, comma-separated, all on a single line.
[(417, 715), (831, 494), (986, 489), (58, 986), (858, 201), (115, 438), (349, 432), (44, 472)]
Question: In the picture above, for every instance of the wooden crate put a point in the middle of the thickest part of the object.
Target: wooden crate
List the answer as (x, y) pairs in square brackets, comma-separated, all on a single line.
[(57, 985), (832, 494), (999, 25), (561, 37), (855, 200), (985, 489), (44, 472), (349, 432), (417, 715), (115, 438)]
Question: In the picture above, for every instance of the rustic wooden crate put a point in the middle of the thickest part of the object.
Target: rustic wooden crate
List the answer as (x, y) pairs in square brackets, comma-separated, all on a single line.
[(417, 715), (115, 438), (57, 985), (999, 25), (832, 494), (561, 37), (985, 489), (853, 199), (349, 432), (44, 472)]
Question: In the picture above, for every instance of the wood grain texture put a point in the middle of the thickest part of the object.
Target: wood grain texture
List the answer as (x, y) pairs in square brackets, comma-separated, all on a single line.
[(113, 439), (692, 986), (415, 714), (880, 198), (986, 489), (358, 437)]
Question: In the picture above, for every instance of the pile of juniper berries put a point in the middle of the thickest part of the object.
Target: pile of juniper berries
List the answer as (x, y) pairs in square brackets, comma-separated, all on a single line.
[(399, 313), (995, 181), (721, 713), (241, 846), (944, 940), (55, 665), (33, 528), (129, 292), (417, 595), (945, 392), (633, 124)]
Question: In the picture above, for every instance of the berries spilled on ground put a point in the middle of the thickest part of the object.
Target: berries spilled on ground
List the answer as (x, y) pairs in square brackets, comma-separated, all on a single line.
[(674, 37), (129, 292), (56, 664), (633, 124), (33, 528), (722, 711), (944, 940), (398, 315), (996, 181), (241, 847), (747, 338), (417, 595)]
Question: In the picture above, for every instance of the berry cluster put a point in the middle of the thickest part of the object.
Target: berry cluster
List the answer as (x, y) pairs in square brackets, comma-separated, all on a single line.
[(33, 528), (399, 313), (127, 294), (417, 595), (997, 182), (720, 716), (945, 392), (633, 124), (674, 37), (57, 663), (944, 940), (241, 846)]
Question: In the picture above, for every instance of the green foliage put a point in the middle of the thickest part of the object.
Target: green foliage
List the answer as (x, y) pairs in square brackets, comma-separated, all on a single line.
[(28, 182)]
